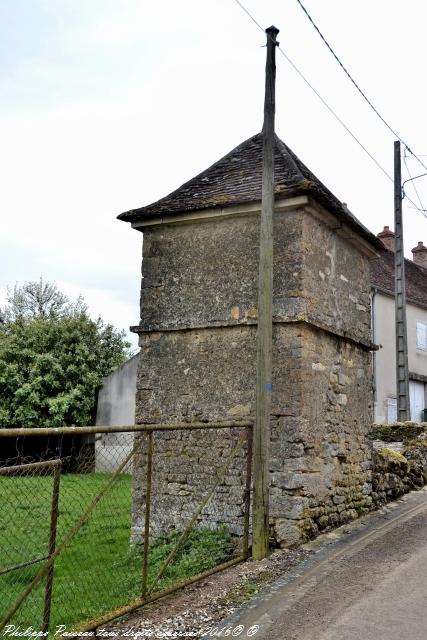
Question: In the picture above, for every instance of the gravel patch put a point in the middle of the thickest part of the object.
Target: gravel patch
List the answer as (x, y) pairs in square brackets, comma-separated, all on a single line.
[(193, 610)]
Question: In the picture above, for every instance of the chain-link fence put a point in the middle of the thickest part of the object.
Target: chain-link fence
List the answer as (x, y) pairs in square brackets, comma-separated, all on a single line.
[(78, 546)]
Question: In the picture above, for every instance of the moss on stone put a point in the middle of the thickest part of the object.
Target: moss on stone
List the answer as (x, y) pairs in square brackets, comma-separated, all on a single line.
[(419, 444), (394, 455), (359, 507), (398, 431)]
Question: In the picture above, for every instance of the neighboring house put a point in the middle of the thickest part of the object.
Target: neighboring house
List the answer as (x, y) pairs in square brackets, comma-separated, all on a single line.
[(116, 407), (383, 323)]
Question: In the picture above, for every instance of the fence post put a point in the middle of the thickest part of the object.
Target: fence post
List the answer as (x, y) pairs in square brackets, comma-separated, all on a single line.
[(249, 436), (147, 512), (52, 544)]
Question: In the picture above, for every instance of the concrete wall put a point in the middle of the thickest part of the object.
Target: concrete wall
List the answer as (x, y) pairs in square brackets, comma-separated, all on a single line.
[(116, 407), (385, 358), (198, 346)]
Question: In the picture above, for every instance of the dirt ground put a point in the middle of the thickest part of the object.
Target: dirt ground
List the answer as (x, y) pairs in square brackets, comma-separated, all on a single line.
[(198, 608)]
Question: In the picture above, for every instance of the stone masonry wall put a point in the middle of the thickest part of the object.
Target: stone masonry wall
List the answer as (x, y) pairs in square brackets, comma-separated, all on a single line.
[(198, 348), (399, 459), (396, 473), (185, 466), (206, 274), (321, 466), (335, 282), (320, 457)]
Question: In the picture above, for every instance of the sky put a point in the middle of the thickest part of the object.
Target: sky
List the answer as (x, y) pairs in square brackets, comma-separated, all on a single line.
[(108, 105)]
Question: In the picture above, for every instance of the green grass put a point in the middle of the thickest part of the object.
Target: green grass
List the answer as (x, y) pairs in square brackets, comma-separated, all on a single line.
[(99, 570)]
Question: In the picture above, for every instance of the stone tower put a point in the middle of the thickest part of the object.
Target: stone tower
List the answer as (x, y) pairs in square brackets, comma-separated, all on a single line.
[(198, 343)]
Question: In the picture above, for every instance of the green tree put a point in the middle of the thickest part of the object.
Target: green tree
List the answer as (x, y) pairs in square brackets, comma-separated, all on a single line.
[(39, 299), (53, 358)]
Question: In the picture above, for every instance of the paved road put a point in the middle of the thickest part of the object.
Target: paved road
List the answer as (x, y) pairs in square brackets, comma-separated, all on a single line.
[(368, 584)]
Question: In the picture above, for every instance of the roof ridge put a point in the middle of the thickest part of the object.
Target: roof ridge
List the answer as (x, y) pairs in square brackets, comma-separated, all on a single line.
[(408, 260), (125, 215), (288, 155)]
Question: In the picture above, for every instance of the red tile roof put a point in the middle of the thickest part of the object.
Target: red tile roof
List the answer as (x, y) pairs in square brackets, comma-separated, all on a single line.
[(382, 278)]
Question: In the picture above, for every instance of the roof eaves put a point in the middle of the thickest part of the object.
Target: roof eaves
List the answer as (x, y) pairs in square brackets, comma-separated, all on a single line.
[(390, 294)]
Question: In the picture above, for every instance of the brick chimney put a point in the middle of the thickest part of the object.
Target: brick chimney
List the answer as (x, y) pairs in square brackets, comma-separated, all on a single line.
[(387, 238), (419, 254)]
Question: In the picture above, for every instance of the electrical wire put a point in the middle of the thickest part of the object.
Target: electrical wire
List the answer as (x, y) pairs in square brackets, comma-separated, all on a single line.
[(350, 77), (422, 211), (342, 123), (411, 180), (412, 183), (250, 15), (331, 110), (323, 101)]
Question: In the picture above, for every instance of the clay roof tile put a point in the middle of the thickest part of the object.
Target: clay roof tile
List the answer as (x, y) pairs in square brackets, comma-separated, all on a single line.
[(236, 179), (382, 278)]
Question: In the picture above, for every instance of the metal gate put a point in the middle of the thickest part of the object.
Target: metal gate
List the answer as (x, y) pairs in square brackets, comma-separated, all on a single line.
[(65, 535)]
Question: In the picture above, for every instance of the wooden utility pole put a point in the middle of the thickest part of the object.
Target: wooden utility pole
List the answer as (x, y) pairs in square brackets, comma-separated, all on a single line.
[(260, 513), (402, 377)]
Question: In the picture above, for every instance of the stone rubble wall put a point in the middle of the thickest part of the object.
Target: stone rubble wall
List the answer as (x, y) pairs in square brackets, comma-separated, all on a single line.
[(335, 279), (185, 467), (186, 464), (197, 363), (207, 273), (320, 458), (399, 460), (321, 466)]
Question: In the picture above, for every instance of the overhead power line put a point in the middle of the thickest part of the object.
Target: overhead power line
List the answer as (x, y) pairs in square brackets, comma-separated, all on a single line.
[(353, 81), (331, 110), (323, 101), (250, 15), (412, 181), (334, 113)]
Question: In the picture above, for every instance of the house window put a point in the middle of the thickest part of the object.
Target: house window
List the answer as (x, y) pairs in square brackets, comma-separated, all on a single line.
[(422, 335), (391, 410)]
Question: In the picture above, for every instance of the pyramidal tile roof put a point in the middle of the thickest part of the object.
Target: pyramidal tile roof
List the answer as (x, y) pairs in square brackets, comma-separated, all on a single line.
[(236, 179)]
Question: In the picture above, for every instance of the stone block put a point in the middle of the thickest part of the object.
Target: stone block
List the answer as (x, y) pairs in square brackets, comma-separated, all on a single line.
[(287, 534)]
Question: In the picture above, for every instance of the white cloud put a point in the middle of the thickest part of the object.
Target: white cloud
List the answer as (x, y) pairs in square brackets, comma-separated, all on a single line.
[(103, 303), (125, 101)]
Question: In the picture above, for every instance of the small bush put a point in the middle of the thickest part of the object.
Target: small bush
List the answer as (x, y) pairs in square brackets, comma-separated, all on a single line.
[(203, 549)]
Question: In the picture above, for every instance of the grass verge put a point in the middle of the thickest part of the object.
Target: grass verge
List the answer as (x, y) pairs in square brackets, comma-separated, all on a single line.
[(99, 570)]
